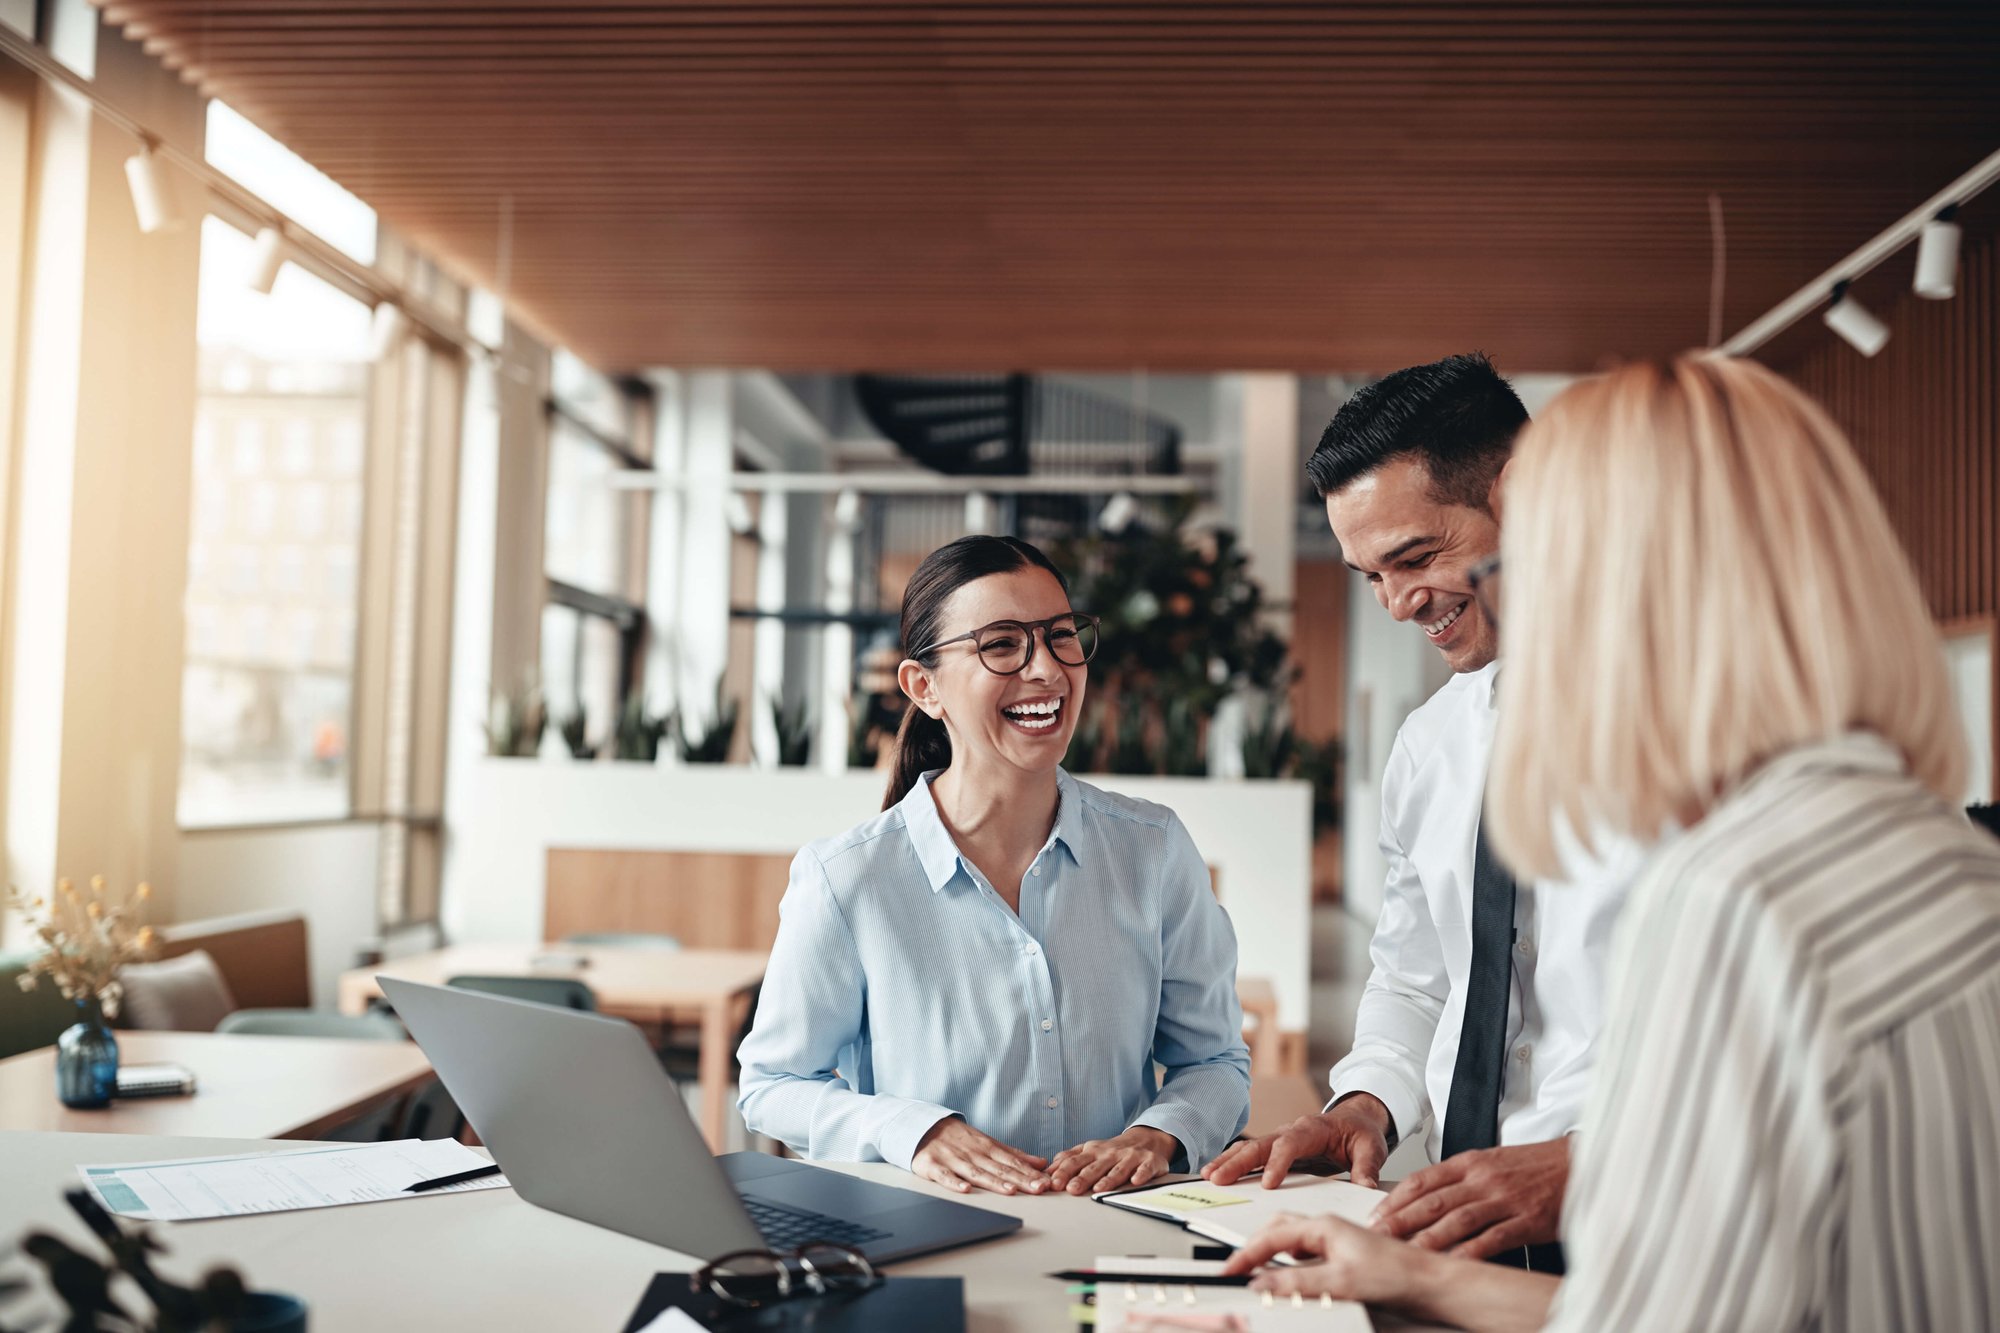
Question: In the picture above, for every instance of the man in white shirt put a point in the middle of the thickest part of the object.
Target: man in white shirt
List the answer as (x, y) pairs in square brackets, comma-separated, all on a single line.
[(1482, 1013)]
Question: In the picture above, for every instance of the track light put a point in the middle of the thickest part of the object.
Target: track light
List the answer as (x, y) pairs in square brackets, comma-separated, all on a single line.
[(152, 192), (387, 331), (1853, 321), (1937, 256), (1118, 513), (267, 257)]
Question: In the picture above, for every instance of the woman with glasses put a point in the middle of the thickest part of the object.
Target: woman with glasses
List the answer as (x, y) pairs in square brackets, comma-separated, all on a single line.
[(978, 983), (1712, 637)]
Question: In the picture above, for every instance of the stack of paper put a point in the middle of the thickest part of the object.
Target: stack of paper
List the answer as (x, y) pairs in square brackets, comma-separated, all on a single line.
[(278, 1182), (1161, 1303)]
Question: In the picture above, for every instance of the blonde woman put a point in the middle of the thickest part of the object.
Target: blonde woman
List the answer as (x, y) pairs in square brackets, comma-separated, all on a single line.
[(1712, 638)]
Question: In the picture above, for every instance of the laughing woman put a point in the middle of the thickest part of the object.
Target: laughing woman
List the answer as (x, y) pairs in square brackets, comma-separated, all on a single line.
[(977, 984)]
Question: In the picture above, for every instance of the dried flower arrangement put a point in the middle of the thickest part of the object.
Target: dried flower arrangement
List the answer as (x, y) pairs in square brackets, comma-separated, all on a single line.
[(87, 937)]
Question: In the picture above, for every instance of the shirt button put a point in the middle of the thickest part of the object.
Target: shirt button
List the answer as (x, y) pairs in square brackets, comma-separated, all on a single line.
[(1036, 871), (1521, 1053), (1047, 1024), (1527, 946), (1033, 949), (1052, 1103)]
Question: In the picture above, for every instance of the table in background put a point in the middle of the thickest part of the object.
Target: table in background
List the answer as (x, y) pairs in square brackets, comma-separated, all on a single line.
[(652, 987), (245, 1087), (489, 1260)]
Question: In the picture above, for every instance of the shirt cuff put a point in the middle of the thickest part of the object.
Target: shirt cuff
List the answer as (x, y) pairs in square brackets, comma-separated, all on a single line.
[(1406, 1104), (1186, 1132), (905, 1128)]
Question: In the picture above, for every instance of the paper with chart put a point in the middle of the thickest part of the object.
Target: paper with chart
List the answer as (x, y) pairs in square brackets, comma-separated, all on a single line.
[(203, 1187), (1234, 1213)]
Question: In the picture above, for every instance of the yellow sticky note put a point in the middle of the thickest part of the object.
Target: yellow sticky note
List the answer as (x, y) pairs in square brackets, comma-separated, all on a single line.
[(1193, 1197)]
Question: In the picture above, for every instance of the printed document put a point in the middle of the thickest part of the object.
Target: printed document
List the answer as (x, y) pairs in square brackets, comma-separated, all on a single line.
[(189, 1189)]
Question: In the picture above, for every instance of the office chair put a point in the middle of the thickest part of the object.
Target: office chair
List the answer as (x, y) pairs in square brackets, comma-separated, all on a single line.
[(622, 939), (563, 992)]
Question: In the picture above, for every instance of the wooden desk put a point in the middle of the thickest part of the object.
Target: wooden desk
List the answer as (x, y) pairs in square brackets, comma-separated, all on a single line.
[(245, 1087), (490, 1260), (648, 986)]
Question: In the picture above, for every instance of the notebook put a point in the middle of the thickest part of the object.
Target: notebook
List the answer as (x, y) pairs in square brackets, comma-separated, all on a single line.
[(1159, 1302), (934, 1304), (1232, 1214)]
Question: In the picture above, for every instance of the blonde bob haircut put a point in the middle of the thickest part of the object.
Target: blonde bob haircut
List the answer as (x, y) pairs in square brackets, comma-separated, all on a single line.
[(1699, 576)]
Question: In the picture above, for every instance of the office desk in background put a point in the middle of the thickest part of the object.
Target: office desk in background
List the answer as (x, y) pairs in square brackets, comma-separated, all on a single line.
[(494, 1262), (651, 987), (245, 1087)]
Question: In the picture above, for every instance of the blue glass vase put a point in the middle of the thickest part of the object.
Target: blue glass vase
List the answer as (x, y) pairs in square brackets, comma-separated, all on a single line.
[(87, 1059)]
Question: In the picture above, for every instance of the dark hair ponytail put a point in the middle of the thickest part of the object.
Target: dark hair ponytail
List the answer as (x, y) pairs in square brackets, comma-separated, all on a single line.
[(921, 742)]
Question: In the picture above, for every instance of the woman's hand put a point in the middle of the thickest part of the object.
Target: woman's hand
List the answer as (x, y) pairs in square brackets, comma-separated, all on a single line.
[(957, 1156), (1355, 1264), (1133, 1158)]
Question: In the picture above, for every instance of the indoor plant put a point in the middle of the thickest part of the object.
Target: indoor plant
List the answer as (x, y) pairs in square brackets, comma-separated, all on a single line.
[(86, 937)]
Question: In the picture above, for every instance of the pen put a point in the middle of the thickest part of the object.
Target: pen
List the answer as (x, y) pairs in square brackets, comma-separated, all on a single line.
[(477, 1173), (1154, 1279)]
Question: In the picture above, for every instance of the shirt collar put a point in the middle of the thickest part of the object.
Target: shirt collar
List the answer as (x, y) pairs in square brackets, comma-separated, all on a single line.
[(938, 854)]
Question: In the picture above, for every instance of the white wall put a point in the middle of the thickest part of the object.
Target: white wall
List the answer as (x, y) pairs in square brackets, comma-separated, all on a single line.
[(1258, 836), (1391, 668), (326, 872)]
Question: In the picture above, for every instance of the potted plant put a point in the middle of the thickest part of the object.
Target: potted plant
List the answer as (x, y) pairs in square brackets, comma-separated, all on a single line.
[(515, 720), (86, 937), (794, 728), (639, 731), (573, 726), (709, 742)]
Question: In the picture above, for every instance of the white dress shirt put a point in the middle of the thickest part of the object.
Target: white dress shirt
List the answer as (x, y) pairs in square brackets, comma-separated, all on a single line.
[(1406, 1030)]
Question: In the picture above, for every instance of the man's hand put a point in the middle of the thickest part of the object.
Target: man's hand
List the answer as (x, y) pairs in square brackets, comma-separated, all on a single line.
[(1353, 1136), (1133, 1158), (956, 1155), (1479, 1203)]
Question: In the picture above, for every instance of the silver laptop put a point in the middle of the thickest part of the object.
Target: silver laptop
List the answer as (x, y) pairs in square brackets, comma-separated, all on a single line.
[(575, 1107)]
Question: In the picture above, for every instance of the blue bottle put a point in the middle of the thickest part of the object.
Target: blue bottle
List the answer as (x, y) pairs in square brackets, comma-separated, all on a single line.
[(87, 1059)]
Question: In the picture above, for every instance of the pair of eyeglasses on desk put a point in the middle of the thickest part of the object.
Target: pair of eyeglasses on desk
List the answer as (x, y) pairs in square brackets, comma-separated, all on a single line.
[(750, 1278)]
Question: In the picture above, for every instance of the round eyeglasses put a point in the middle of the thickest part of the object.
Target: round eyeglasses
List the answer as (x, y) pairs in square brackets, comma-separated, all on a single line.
[(1485, 580), (1005, 647), (750, 1278)]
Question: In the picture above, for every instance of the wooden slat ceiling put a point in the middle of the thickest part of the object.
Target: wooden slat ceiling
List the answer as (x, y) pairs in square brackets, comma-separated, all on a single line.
[(1101, 185)]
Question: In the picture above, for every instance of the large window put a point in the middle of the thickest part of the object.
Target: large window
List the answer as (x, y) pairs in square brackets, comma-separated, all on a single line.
[(275, 544), (593, 549)]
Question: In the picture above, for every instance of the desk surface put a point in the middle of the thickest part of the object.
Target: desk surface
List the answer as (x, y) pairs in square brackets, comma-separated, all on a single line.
[(245, 1087), (640, 983), (489, 1260)]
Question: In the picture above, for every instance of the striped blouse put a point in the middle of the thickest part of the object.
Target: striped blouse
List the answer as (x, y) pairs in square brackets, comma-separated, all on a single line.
[(1796, 1118)]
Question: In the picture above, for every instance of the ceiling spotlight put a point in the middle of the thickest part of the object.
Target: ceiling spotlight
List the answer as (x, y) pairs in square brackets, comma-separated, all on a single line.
[(1853, 321), (1937, 256), (1119, 513), (387, 331), (267, 256), (152, 192)]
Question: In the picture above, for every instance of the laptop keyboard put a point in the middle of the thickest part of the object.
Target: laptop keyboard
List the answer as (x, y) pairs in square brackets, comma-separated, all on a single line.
[(787, 1228)]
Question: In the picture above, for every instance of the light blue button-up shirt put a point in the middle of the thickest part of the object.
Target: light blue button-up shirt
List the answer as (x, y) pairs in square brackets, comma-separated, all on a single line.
[(902, 990)]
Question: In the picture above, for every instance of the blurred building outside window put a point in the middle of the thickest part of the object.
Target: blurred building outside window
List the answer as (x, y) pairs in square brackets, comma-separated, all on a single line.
[(593, 551), (274, 544)]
